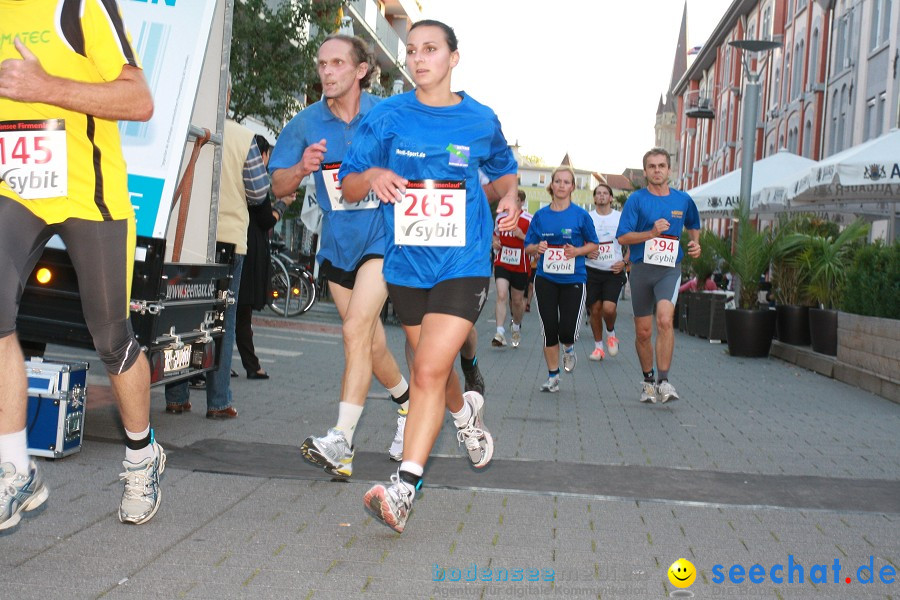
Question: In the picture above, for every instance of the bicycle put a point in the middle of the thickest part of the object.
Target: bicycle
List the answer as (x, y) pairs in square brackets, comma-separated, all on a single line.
[(292, 286)]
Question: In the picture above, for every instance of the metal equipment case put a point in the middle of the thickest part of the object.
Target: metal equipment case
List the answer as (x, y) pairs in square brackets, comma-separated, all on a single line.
[(57, 392)]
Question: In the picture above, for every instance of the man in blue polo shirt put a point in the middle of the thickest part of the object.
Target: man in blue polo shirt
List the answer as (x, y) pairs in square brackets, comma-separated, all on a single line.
[(352, 243), (651, 223)]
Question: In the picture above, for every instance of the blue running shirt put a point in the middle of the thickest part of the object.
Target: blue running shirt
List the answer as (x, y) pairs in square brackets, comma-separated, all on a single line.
[(558, 228), (643, 209), (444, 147), (349, 231)]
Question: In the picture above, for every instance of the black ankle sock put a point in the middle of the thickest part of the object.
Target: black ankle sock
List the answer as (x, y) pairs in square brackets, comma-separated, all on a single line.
[(403, 397), (413, 480), (139, 444), (466, 363), (554, 373), (648, 376)]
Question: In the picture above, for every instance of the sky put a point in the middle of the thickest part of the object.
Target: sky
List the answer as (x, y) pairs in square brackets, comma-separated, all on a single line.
[(576, 76)]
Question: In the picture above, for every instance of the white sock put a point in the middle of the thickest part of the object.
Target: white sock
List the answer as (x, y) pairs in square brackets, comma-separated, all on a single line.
[(501, 330), (610, 333), (462, 417), (515, 326), (136, 456), (598, 345), (14, 449), (348, 417), (398, 390)]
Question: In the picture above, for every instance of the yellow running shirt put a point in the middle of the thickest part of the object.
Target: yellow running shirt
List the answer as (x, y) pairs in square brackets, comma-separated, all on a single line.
[(57, 163)]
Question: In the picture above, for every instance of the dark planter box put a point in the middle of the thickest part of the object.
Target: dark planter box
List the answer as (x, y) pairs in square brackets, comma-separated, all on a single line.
[(793, 324), (823, 330), (749, 332)]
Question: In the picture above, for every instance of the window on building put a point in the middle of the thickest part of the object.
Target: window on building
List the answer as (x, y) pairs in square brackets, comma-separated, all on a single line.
[(807, 138), (801, 4), (785, 97), (842, 119), (790, 11), (813, 75), (797, 71), (880, 23), (835, 111), (765, 30), (879, 116), (839, 50), (776, 87), (870, 127)]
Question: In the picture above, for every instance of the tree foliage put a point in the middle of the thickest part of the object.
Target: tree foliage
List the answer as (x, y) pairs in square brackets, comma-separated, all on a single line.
[(273, 54)]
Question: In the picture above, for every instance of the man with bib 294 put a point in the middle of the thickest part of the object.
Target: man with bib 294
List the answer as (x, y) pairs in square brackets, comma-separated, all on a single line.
[(651, 223)]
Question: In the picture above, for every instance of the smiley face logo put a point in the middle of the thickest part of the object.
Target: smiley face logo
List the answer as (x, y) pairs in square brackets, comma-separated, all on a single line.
[(682, 573)]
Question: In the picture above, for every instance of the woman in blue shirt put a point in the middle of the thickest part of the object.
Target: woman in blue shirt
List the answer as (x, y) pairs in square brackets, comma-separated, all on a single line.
[(562, 234), (420, 153)]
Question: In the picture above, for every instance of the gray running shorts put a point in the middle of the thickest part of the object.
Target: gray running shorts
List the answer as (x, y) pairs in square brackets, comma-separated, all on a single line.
[(652, 283)]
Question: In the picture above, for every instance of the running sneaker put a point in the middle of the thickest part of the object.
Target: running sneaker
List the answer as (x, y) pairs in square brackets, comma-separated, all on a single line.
[(569, 360), (499, 340), (396, 450), (648, 392), (331, 452), (474, 382), (551, 385), (665, 391), (515, 338), (391, 504), (142, 495), (597, 354), (19, 493), (478, 440), (612, 342)]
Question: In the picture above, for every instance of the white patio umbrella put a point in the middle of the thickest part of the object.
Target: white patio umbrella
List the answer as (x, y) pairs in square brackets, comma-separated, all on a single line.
[(867, 172), (720, 196)]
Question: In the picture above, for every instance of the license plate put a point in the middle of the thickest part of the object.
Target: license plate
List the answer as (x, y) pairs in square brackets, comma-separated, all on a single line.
[(177, 359)]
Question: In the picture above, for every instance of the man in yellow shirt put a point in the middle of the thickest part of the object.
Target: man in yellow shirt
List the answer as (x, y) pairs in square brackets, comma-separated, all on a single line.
[(68, 73)]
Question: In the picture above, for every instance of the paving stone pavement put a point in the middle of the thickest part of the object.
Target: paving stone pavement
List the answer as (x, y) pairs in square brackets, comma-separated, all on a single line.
[(238, 525)]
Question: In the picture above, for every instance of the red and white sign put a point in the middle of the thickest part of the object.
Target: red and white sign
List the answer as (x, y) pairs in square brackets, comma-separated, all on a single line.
[(555, 261), (34, 159), (433, 213), (662, 250)]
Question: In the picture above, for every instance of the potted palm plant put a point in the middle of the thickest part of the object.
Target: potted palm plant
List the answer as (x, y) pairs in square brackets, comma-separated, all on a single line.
[(749, 329), (824, 261), (788, 281)]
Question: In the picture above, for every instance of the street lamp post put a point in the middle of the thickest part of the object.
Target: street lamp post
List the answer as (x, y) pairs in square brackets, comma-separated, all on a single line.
[(751, 109)]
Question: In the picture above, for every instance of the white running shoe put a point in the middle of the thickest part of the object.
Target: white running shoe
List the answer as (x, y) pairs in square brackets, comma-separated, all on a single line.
[(390, 504), (142, 495), (612, 342), (499, 341), (478, 440), (331, 452), (597, 355), (18, 493), (551, 385), (516, 338), (665, 391), (569, 360), (648, 392), (396, 450)]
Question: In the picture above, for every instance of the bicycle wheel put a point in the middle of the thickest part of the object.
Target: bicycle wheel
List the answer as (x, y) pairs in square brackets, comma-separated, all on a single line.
[(303, 290)]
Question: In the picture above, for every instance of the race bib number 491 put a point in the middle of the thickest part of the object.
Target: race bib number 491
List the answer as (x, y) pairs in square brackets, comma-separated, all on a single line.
[(33, 158), (433, 213), (662, 250)]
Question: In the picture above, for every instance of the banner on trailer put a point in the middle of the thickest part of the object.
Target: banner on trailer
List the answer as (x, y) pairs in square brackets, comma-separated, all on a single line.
[(170, 37)]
